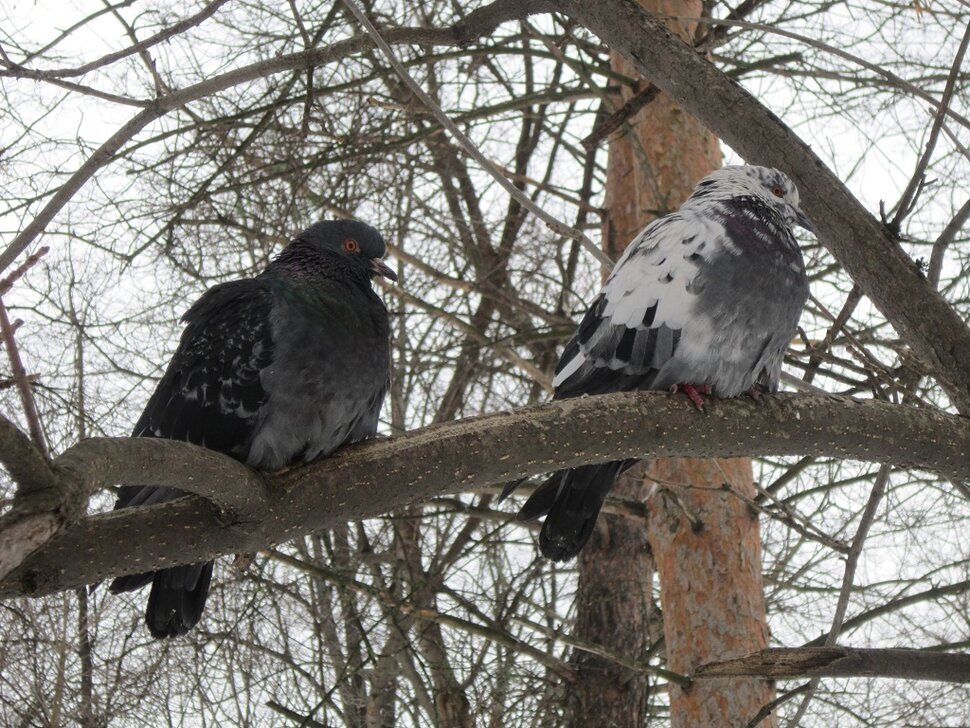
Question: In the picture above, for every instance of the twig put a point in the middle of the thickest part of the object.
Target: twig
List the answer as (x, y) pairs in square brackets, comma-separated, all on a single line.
[(619, 117), (894, 605), (767, 708), (161, 36), (876, 368), (11, 382), (471, 27), (815, 359), (848, 576), (504, 352), (897, 81), (491, 632), (7, 283), (638, 666), (469, 146), (855, 551), (908, 200), (718, 33), (23, 384), (946, 237)]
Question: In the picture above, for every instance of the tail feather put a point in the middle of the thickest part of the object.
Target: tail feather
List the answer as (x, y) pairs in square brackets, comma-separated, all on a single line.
[(571, 501), (178, 594), (177, 599)]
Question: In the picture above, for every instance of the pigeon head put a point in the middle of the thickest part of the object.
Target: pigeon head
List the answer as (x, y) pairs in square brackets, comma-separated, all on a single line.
[(768, 185), (356, 244)]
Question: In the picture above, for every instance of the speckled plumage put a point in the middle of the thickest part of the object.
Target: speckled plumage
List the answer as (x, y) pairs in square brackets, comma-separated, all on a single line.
[(273, 370), (708, 295)]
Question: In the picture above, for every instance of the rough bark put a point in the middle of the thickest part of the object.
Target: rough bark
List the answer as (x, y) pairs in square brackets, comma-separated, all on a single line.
[(613, 610), (707, 546), (368, 480)]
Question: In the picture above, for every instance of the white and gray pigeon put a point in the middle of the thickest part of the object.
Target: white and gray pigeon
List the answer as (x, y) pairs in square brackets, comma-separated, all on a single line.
[(704, 300), (274, 370)]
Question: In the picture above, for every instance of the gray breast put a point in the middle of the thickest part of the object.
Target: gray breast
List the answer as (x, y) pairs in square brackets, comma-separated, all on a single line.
[(750, 297), (327, 382)]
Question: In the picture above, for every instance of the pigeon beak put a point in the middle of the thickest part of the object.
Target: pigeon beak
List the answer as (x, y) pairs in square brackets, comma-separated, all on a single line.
[(802, 219), (380, 268)]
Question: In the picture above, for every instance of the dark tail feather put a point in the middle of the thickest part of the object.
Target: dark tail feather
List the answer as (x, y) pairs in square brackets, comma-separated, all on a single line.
[(571, 501), (177, 598), (509, 487), (178, 594)]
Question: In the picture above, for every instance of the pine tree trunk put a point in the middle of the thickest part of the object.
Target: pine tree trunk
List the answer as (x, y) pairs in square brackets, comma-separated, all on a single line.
[(710, 579)]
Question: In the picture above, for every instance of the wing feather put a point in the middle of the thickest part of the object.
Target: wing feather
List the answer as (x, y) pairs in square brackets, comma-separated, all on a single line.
[(633, 326), (211, 392)]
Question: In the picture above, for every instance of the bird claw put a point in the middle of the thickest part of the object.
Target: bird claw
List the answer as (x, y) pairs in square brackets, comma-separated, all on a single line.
[(694, 393), (757, 393)]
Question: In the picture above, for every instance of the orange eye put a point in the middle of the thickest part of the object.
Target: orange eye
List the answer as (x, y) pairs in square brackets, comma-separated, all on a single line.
[(777, 191), (350, 245)]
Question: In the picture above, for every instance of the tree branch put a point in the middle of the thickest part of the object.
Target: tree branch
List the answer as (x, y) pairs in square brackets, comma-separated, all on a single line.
[(239, 492), (473, 151), (373, 478), (26, 464), (786, 663)]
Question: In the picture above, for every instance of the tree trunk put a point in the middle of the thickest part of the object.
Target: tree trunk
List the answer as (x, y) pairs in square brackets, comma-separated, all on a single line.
[(710, 584), (710, 579)]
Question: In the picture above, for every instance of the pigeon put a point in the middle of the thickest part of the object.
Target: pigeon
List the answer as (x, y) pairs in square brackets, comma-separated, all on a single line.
[(273, 371), (705, 300)]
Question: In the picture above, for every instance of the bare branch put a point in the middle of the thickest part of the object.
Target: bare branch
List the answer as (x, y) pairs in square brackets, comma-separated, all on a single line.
[(23, 384), (908, 199), (469, 146), (239, 492), (19, 271), (26, 464), (943, 241), (164, 104), (848, 577), (785, 663), (19, 71)]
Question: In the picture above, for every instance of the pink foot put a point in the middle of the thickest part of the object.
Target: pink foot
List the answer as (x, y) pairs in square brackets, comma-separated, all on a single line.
[(693, 392), (756, 393)]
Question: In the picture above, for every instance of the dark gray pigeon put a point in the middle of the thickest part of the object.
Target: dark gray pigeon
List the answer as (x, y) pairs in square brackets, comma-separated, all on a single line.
[(274, 370), (704, 300)]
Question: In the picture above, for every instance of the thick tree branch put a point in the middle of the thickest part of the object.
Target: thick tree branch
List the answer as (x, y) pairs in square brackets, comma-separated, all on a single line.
[(40, 502), (239, 492), (856, 238), (785, 663), (368, 480)]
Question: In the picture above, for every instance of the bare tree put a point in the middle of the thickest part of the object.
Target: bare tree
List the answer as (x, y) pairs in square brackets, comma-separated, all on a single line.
[(157, 153)]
